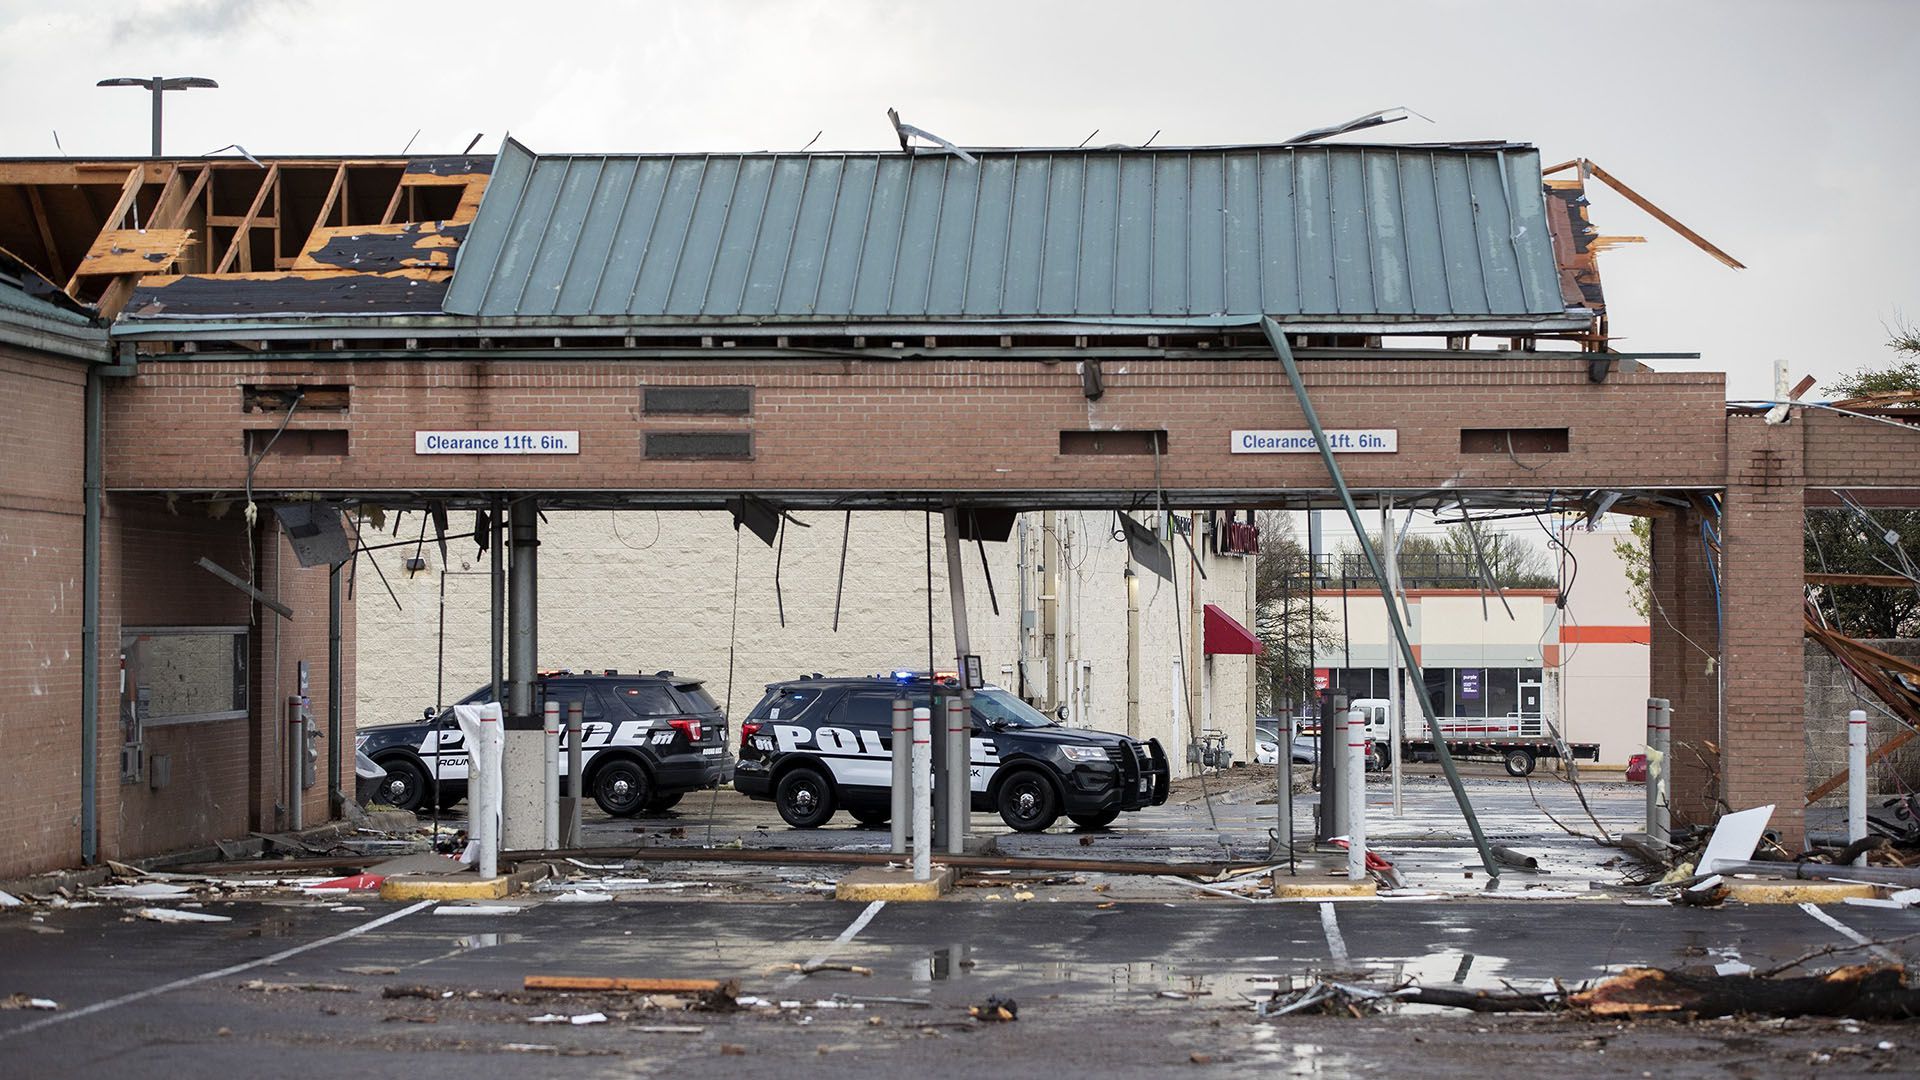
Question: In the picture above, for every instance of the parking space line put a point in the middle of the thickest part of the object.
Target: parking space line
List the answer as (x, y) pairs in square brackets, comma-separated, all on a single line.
[(1850, 933), (177, 984), (846, 935), (1336, 945)]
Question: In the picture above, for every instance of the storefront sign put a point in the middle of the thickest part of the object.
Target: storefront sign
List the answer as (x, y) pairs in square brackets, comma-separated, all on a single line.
[(496, 442), (1469, 684), (1345, 441)]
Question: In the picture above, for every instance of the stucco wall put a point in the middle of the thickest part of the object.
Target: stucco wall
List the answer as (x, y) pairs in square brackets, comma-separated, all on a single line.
[(641, 590)]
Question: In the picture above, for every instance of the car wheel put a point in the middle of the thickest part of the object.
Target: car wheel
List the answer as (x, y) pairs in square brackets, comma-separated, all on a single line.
[(405, 785), (872, 819), (804, 798), (448, 800), (621, 788), (660, 803), (1027, 802), (1519, 762), (1096, 821), (1378, 761)]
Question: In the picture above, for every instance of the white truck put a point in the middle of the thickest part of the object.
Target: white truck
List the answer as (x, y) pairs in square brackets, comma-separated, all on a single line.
[(1515, 740)]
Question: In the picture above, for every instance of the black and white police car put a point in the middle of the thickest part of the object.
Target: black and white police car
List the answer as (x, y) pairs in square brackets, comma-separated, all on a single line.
[(817, 745), (645, 740)]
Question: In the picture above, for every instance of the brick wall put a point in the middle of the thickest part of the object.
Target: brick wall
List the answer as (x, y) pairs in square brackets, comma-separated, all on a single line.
[(946, 424), (1683, 664), (41, 529), (225, 773)]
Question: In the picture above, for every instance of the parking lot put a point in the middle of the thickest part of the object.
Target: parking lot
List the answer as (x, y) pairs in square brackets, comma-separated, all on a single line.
[(1108, 974)]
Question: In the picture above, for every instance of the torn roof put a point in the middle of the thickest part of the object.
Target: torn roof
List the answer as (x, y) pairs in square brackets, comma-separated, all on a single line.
[(1455, 238), (1335, 234)]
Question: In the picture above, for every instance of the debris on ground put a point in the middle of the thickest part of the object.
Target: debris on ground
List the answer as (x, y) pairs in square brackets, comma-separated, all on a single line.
[(177, 915), (995, 1009), (815, 968), (28, 1001), (264, 987)]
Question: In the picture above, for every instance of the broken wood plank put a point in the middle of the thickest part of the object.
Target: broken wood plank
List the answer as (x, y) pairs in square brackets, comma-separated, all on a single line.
[(1883, 581), (129, 191), (633, 986), (1862, 992), (1665, 218), (133, 251)]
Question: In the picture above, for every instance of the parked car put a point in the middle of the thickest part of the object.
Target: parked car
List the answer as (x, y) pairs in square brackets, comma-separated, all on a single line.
[(1266, 743), (645, 740), (816, 745)]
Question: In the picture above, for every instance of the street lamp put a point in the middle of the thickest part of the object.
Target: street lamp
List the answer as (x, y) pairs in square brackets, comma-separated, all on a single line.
[(160, 85)]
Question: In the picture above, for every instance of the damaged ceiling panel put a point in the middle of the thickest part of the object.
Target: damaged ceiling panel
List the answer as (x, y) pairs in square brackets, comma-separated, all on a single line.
[(1404, 234)]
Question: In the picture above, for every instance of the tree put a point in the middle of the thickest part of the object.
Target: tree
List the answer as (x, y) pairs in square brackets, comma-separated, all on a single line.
[(1289, 628), (1635, 551)]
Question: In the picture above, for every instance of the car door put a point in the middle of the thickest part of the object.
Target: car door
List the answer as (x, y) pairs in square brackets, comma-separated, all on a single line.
[(596, 731), (856, 741)]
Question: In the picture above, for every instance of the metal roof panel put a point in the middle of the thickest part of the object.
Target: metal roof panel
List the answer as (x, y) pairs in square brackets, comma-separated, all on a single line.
[(1331, 232)]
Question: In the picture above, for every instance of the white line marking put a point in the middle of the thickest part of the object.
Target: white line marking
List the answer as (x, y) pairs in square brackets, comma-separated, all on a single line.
[(139, 995), (1336, 945), (846, 935), (1850, 933)]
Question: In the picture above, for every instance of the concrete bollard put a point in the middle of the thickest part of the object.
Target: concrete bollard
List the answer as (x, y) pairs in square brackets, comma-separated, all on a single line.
[(1662, 780), (922, 794), (959, 779), (902, 760), (1355, 775), (550, 826), (1857, 781), (481, 726)]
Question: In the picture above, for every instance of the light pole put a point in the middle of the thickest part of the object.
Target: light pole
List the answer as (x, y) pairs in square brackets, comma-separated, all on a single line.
[(159, 85)]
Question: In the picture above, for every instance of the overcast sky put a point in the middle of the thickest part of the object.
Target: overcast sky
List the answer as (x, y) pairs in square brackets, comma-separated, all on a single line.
[(1777, 130)]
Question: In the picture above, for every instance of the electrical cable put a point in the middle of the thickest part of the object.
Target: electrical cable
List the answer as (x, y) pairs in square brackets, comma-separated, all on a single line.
[(254, 463), (615, 516), (733, 641)]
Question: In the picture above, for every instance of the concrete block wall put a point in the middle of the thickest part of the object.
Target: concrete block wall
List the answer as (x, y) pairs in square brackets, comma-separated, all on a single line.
[(1831, 694)]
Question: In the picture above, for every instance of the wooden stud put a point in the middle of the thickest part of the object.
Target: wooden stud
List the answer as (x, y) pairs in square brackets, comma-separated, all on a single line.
[(326, 205), (56, 269), (238, 248), (393, 204), (136, 178)]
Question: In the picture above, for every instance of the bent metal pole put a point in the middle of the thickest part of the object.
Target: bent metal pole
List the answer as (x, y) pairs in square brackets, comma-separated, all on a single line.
[(957, 785), (901, 788), (1278, 339)]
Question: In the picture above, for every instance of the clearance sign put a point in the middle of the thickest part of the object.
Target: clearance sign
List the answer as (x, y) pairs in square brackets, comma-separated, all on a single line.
[(1346, 441), (496, 442)]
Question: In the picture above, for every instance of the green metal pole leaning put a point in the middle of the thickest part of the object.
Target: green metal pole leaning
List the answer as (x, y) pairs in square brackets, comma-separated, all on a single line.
[(1278, 338)]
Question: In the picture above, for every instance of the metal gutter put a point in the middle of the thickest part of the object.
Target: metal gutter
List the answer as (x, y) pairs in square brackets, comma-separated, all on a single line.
[(1280, 347)]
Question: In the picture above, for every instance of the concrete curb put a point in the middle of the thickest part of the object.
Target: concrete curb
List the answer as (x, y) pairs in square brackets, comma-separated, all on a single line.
[(451, 887), (871, 883), (1798, 892), (1294, 888)]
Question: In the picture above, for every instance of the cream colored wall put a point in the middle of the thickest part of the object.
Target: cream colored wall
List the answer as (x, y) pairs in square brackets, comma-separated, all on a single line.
[(644, 591), (1461, 620), (1606, 684)]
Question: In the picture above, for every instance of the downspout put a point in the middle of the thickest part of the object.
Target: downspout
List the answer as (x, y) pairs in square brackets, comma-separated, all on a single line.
[(336, 803), (1278, 338), (90, 626)]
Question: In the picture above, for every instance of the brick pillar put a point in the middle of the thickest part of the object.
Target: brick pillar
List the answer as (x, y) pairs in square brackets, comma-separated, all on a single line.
[(1683, 664), (1764, 753)]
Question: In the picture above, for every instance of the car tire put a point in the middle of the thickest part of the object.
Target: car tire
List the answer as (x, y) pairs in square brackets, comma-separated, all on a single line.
[(1096, 821), (621, 788), (872, 819), (448, 801), (1519, 762), (1027, 802), (804, 797), (662, 803), (405, 785)]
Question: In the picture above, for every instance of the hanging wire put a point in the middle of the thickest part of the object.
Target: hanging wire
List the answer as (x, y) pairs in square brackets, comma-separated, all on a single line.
[(733, 641)]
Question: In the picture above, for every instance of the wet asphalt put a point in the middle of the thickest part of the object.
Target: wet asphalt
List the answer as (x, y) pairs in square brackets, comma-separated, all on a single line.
[(1134, 980)]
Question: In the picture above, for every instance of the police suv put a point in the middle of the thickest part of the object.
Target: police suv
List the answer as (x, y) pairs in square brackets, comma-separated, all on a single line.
[(816, 745), (645, 740)]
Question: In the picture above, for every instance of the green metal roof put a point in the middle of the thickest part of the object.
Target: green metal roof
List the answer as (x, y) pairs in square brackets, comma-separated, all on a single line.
[(29, 322), (1337, 234)]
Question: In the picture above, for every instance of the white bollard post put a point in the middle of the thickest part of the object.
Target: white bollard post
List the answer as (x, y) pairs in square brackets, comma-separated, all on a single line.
[(481, 726), (552, 787), (1857, 780), (922, 794), (1355, 775), (1663, 794), (1653, 788), (900, 788)]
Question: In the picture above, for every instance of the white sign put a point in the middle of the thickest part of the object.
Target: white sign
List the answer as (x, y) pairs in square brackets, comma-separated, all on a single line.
[(496, 442), (1347, 441)]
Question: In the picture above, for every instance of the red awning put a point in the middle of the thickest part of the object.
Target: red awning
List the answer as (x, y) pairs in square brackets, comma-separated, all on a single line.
[(1224, 634)]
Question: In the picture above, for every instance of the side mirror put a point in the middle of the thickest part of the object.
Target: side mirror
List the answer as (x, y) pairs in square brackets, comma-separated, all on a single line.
[(1061, 714), (428, 713)]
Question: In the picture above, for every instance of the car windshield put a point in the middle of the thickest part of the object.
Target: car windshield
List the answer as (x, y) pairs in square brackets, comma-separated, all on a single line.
[(996, 706)]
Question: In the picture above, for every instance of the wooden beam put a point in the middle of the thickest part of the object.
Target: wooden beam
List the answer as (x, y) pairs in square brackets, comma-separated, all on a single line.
[(134, 251), (129, 191), (393, 204), (240, 235), (326, 205), (1665, 218), (1879, 581), (55, 268)]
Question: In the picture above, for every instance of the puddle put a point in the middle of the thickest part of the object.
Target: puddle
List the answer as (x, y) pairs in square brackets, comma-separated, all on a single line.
[(1298, 1059), (484, 941)]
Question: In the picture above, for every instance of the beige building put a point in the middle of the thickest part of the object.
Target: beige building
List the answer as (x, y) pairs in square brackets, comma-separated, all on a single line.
[(1581, 667), (645, 590)]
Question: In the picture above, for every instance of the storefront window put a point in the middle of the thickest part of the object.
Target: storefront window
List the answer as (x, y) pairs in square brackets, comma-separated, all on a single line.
[(1503, 692)]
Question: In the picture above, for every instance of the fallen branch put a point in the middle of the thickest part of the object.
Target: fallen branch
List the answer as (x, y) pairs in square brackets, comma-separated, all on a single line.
[(634, 986), (1860, 992), (809, 969), (1830, 950)]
